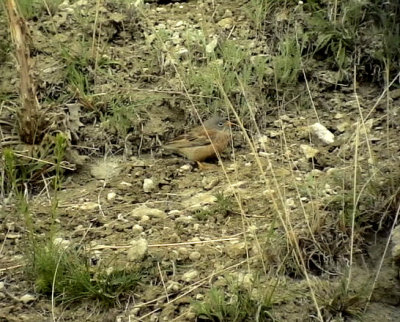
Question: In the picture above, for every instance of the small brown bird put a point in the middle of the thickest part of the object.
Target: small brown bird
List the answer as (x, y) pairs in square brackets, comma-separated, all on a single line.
[(196, 145)]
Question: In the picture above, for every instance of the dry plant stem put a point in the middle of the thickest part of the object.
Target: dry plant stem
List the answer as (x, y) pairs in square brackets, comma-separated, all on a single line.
[(361, 115), (309, 94), (285, 221), (383, 257), (28, 113), (99, 247), (382, 95), (162, 281), (42, 161), (191, 287), (353, 215), (10, 268)]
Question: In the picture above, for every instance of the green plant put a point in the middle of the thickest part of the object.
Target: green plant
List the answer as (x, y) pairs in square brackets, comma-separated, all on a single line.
[(338, 301), (35, 8), (222, 206), (287, 65), (237, 305), (66, 274)]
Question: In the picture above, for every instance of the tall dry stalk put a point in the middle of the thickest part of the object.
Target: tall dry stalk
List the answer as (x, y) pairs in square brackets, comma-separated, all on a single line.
[(29, 117)]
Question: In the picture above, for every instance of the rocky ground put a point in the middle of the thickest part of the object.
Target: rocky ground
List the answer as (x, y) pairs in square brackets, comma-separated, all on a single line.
[(128, 202)]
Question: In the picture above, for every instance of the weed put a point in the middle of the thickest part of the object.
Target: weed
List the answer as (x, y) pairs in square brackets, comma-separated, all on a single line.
[(338, 301), (36, 8), (287, 65), (66, 274), (235, 305), (222, 206)]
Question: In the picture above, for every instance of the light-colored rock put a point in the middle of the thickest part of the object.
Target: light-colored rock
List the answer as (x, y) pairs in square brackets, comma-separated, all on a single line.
[(173, 286), (137, 250), (148, 185), (199, 200), (226, 23), (63, 243), (309, 152), (190, 276), (89, 205), (1, 286), (111, 196), (194, 256), (137, 229), (209, 182), (236, 249), (210, 47), (184, 219), (27, 298), (186, 167), (105, 169), (396, 245), (322, 133), (342, 127), (150, 212)]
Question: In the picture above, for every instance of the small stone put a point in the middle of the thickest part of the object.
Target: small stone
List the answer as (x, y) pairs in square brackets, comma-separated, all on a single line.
[(186, 167), (342, 127), (309, 151), (89, 205), (173, 286), (236, 249), (226, 23), (144, 219), (190, 276), (211, 45), (194, 256), (137, 229), (27, 298), (322, 133), (200, 200), (137, 250), (184, 219), (63, 243), (290, 203), (150, 212), (111, 196), (148, 185), (209, 182), (1, 286)]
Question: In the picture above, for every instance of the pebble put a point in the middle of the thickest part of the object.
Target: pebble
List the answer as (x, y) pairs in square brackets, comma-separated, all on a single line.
[(137, 250), (190, 275), (309, 151), (27, 298), (148, 185), (194, 256), (111, 196), (149, 212)]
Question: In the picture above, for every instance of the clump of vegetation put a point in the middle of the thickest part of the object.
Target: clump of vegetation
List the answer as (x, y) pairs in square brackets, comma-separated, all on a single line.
[(222, 206), (67, 274), (236, 305)]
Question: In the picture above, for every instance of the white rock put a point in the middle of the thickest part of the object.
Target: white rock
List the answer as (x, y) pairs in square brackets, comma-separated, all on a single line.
[(111, 196), (1, 286), (137, 229), (322, 133), (186, 167), (27, 298), (63, 243), (88, 205), (190, 275), (211, 45), (194, 256), (137, 250), (150, 212), (226, 23), (148, 185), (309, 151), (200, 200)]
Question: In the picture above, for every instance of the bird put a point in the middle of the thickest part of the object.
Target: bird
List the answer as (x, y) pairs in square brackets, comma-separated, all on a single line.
[(196, 145)]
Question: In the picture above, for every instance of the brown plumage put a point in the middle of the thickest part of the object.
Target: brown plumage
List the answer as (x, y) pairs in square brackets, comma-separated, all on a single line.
[(196, 146)]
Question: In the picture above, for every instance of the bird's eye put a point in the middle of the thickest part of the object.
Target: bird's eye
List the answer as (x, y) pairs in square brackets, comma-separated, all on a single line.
[(220, 123)]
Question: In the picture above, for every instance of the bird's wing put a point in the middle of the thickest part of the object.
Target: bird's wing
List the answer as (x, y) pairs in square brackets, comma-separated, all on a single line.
[(197, 137)]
